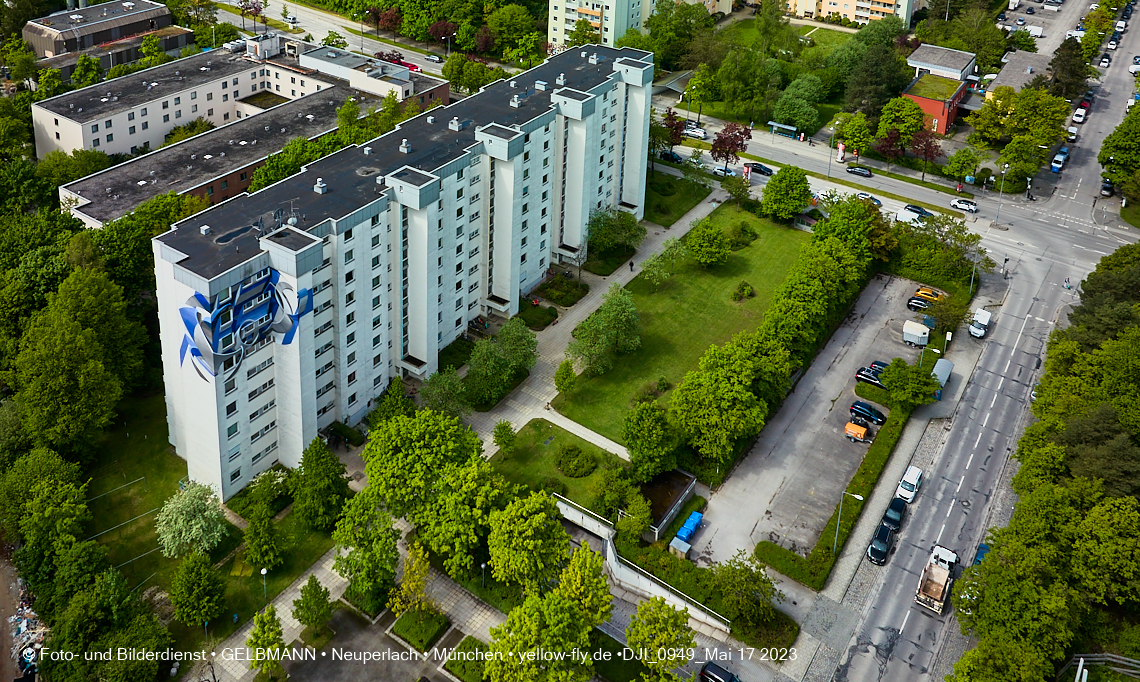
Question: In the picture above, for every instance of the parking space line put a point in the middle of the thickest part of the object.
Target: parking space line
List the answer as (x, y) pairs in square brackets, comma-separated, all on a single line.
[(979, 440), (993, 401), (986, 420)]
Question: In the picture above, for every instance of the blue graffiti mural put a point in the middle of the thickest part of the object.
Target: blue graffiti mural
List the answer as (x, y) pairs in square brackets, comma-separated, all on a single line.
[(225, 329)]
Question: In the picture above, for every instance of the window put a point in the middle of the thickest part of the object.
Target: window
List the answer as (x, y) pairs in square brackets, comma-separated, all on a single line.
[(349, 276), (193, 108), (243, 176), (178, 113), (231, 384), (352, 399), (230, 409), (131, 130), (231, 431), (225, 184), (348, 256), (130, 117), (166, 118), (350, 319), (235, 475), (226, 116), (352, 378), (177, 101), (166, 105), (145, 125), (95, 128), (210, 191), (95, 142), (351, 340), (210, 96), (57, 136), (143, 112), (278, 88)]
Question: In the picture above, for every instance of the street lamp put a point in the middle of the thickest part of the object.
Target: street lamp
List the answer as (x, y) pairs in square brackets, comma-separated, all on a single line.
[(839, 519), (922, 353), (448, 39), (484, 567), (1000, 192), (264, 589)]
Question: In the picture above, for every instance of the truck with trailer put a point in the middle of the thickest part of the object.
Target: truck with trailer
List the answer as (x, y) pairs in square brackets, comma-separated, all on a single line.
[(936, 579)]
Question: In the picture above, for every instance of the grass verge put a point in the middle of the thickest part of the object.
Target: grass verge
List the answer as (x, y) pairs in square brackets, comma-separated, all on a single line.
[(531, 462), (1131, 214), (687, 314), (603, 263), (421, 629), (456, 354), (668, 197), (814, 570), (537, 317), (467, 670), (317, 637)]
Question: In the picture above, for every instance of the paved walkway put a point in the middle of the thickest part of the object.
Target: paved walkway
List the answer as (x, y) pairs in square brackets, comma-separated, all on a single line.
[(530, 400)]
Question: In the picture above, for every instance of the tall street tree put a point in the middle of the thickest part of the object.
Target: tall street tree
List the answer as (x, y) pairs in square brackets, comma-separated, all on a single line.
[(366, 551), (320, 486)]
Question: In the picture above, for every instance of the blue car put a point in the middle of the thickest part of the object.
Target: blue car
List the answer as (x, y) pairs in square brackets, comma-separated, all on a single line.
[(983, 550)]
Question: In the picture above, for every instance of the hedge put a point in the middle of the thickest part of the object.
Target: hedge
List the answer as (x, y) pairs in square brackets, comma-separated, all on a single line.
[(350, 434), (421, 629), (467, 670)]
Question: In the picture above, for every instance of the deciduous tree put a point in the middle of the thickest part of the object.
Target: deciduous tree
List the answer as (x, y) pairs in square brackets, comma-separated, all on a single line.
[(902, 114), (925, 146), (18, 482), (748, 592), (548, 623), (729, 143), (313, 608), (266, 638), (584, 33), (503, 435), (527, 543), (611, 227), (786, 194), (714, 413), (797, 112), (564, 377), (411, 593), (650, 440), (962, 163), (1106, 558), (443, 392), (909, 385), (612, 329), (663, 633), (366, 551), (856, 134), (707, 243), (261, 546), (457, 525), (583, 583), (890, 146), (191, 519)]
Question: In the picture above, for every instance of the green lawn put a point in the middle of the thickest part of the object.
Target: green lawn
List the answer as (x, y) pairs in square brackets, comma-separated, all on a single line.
[(689, 312), (722, 111), (604, 263), (1131, 214), (745, 30), (537, 317), (139, 448), (456, 353), (827, 38), (531, 461), (668, 197)]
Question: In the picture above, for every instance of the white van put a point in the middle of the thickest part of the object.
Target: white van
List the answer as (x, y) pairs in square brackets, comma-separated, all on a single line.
[(1121, 25), (292, 20)]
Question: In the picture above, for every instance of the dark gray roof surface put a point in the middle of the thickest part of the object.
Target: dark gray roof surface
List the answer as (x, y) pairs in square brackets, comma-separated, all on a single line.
[(93, 17), (351, 175), (941, 57)]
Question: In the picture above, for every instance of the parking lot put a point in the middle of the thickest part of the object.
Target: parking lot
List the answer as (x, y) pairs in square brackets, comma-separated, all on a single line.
[(1053, 24), (788, 485)]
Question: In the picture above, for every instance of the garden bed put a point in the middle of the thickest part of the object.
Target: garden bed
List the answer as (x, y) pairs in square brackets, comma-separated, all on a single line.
[(604, 263), (467, 670), (318, 638), (456, 354), (562, 290), (421, 629), (537, 317)]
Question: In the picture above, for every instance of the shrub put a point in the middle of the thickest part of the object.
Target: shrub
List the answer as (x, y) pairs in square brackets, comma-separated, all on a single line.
[(741, 235), (646, 394), (421, 629), (575, 462), (663, 385), (552, 485), (467, 669), (743, 290), (354, 437)]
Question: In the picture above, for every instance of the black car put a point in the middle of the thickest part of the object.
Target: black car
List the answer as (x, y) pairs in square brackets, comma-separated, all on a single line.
[(896, 512), (859, 421), (1106, 188), (913, 208), (880, 547), (859, 170), (869, 376), (866, 411), (879, 365), (758, 168), (671, 156), (1001, 17), (916, 304), (711, 672), (1106, 57), (1030, 10)]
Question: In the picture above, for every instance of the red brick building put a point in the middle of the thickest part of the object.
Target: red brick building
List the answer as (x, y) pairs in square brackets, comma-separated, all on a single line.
[(939, 98)]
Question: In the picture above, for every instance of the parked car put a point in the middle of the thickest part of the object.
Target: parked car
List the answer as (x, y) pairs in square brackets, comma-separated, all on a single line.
[(868, 376), (1001, 16), (983, 550), (1080, 115), (914, 208), (928, 293), (1106, 187), (879, 365), (691, 124), (696, 133), (1105, 61), (859, 170), (722, 172), (711, 672), (1030, 10), (916, 304), (866, 411), (880, 547), (909, 485), (1020, 21), (1085, 103), (964, 204), (434, 58), (867, 197), (759, 168), (1111, 45), (1136, 59), (671, 156), (896, 512)]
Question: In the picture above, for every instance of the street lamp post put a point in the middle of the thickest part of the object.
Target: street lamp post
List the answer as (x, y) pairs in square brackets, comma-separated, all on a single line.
[(448, 39), (264, 589), (839, 519), (1001, 191), (484, 567)]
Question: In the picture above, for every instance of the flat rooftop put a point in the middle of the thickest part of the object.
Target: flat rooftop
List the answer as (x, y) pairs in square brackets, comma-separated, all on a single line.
[(940, 57), (1019, 68), (929, 86), (118, 190), (351, 176), (148, 85), (87, 19), (71, 58)]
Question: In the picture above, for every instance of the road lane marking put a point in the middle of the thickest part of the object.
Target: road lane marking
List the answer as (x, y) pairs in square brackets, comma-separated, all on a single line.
[(993, 401), (1018, 339), (960, 483), (952, 501), (1002, 381), (1007, 362), (940, 531), (979, 440), (986, 420), (905, 618), (972, 454)]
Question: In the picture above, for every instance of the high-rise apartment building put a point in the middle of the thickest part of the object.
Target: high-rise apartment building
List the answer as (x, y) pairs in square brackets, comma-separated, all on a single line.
[(611, 18), (287, 309), (856, 10)]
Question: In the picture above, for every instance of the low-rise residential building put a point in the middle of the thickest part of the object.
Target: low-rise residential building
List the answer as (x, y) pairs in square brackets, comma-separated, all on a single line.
[(942, 61), (939, 98), (287, 309), (1018, 68), (72, 30)]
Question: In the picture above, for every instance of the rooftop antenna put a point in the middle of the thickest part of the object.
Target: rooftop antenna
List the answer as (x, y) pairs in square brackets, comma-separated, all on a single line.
[(292, 219)]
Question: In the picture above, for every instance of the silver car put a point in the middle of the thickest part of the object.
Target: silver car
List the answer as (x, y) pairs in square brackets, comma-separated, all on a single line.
[(965, 205)]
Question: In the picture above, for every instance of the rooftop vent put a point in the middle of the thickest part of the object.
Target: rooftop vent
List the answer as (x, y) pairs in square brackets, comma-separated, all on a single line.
[(561, 80), (583, 54), (320, 187), (431, 119), (405, 148), (368, 151), (453, 124), (594, 58), (540, 85), (515, 101), (514, 84), (204, 229), (267, 129)]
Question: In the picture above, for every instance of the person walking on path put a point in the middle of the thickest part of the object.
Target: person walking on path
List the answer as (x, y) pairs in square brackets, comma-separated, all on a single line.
[(631, 266)]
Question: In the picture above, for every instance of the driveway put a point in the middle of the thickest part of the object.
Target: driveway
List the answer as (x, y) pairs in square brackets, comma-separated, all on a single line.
[(788, 485)]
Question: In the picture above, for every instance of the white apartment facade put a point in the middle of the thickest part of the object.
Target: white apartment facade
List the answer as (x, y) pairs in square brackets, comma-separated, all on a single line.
[(611, 18), (290, 308), (856, 10)]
